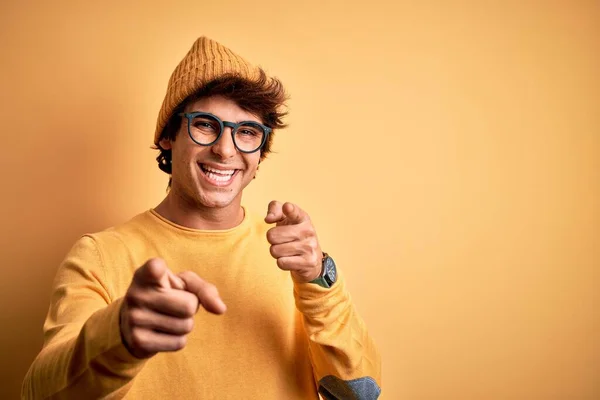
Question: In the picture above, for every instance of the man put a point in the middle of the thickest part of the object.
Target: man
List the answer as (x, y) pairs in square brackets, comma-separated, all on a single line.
[(198, 298)]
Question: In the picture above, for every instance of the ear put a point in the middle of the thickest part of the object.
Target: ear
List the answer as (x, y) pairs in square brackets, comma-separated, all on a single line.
[(165, 144)]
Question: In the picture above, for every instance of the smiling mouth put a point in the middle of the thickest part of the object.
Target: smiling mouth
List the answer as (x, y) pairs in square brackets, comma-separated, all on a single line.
[(218, 175)]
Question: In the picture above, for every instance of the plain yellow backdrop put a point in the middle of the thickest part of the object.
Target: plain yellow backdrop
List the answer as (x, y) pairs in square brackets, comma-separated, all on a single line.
[(448, 152)]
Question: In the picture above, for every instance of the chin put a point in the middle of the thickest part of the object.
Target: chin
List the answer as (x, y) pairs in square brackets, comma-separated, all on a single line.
[(216, 201), (214, 197)]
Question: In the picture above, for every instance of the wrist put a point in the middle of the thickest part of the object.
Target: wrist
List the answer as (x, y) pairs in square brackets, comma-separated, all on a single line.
[(299, 277), (328, 275), (309, 275)]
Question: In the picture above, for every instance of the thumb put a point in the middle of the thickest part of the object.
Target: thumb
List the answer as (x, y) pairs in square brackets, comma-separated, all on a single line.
[(207, 293), (274, 212)]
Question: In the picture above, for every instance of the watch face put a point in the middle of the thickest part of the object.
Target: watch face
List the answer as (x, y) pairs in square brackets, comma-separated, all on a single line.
[(330, 271)]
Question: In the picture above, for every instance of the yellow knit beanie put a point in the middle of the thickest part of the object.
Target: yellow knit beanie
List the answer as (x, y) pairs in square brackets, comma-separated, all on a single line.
[(207, 60)]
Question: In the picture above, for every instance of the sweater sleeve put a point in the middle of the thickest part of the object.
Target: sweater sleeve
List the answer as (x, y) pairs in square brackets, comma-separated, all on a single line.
[(345, 360), (83, 355)]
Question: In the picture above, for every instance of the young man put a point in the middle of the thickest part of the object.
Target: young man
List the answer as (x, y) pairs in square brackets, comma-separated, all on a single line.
[(197, 298)]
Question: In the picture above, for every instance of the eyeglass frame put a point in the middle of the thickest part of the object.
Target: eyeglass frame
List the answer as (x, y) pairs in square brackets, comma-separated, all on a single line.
[(223, 124)]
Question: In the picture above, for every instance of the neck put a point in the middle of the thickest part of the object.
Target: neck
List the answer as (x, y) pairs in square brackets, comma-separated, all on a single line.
[(194, 216)]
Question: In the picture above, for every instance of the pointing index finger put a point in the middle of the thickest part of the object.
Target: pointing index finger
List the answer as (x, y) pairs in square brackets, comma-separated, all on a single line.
[(208, 295), (293, 213)]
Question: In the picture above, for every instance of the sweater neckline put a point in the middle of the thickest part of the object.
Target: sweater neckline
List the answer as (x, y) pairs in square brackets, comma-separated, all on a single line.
[(213, 232)]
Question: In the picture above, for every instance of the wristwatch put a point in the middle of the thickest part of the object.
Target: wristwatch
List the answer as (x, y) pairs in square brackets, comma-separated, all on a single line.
[(328, 272)]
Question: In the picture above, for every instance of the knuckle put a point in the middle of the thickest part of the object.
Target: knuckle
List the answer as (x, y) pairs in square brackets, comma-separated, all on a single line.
[(273, 251), (180, 342), (188, 325), (281, 263), (137, 339), (195, 305), (271, 236), (135, 316), (188, 309)]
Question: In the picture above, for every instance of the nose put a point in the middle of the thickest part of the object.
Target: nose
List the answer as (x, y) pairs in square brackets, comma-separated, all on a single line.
[(224, 147)]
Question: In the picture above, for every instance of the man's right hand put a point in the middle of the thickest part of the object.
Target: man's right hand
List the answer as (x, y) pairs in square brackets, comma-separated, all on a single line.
[(159, 307)]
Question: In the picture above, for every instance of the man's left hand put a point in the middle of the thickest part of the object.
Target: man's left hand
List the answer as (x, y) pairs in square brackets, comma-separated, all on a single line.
[(294, 242)]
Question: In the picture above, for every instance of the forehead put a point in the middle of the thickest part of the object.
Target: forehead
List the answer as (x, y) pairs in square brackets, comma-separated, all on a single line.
[(222, 107)]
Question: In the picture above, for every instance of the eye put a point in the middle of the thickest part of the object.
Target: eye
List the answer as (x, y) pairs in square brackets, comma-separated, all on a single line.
[(205, 124), (248, 132)]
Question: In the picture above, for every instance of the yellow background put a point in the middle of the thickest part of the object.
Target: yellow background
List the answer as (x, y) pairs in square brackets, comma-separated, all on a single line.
[(448, 152)]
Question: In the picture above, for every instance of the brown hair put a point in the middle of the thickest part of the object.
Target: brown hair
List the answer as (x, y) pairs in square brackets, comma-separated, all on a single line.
[(263, 96)]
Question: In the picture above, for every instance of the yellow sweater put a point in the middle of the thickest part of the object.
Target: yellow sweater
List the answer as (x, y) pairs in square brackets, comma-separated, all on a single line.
[(278, 339)]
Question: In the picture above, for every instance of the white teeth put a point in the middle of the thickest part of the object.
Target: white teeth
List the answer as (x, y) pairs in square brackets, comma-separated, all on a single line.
[(219, 175), (219, 178), (219, 171)]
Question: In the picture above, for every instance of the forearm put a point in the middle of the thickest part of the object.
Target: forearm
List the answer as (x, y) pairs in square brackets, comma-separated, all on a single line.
[(86, 362), (342, 352)]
